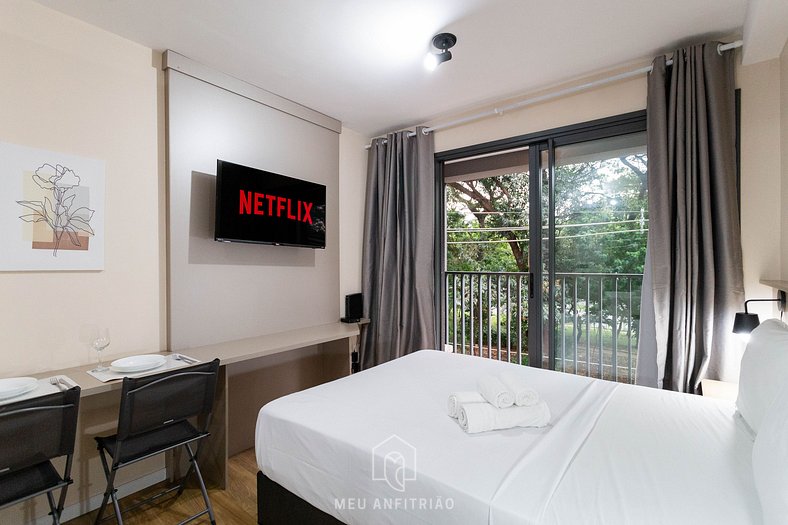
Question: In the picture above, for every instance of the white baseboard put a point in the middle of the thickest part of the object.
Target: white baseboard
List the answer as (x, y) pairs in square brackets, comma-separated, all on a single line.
[(83, 507)]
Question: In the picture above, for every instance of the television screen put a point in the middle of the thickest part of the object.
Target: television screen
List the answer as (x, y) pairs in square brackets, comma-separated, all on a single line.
[(258, 206)]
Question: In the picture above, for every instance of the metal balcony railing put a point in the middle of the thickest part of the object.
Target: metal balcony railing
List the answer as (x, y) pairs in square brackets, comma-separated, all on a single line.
[(487, 314), (595, 320)]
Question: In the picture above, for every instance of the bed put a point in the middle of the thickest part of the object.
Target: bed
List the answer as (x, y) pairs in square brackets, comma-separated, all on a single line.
[(613, 453)]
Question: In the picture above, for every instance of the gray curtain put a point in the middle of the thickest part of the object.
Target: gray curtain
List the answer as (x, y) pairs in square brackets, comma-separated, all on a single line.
[(398, 267), (694, 239)]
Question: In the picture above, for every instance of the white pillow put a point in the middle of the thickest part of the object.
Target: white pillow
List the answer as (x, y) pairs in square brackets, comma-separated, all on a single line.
[(764, 370), (770, 462)]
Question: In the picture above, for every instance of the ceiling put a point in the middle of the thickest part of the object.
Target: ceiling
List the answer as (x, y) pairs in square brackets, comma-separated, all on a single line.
[(360, 61)]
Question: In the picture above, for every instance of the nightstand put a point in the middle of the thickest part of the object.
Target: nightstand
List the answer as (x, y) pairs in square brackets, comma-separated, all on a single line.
[(719, 389)]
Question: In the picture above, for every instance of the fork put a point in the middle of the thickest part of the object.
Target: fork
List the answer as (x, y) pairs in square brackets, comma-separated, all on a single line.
[(187, 360), (58, 382)]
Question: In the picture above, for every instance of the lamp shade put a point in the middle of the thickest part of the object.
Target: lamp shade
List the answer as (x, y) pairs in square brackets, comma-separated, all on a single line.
[(744, 323)]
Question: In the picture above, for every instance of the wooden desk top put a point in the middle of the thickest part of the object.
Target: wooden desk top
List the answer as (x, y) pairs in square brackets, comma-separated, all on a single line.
[(719, 389), (228, 353)]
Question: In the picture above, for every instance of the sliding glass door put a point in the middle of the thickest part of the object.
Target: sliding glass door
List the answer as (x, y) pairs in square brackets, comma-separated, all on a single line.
[(597, 244), (487, 272), (543, 241)]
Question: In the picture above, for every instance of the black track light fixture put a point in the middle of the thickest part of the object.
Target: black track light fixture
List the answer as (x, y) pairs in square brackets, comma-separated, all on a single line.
[(442, 42)]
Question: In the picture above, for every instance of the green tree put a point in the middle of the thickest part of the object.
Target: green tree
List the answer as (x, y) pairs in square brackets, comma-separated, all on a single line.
[(499, 205), (601, 216), (600, 210)]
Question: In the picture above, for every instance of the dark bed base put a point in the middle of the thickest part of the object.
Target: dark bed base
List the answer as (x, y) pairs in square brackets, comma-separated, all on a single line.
[(278, 506)]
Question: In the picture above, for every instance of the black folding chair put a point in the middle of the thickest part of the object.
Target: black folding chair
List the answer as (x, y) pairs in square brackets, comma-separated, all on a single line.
[(32, 433), (159, 413)]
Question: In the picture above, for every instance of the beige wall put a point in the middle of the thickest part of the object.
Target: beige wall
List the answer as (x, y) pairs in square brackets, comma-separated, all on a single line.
[(70, 87), (784, 159), (760, 185), (614, 99), (227, 291), (352, 185), (81, 90)]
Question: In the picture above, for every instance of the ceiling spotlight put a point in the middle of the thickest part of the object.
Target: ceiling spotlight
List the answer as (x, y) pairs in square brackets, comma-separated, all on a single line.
[(443, 42)]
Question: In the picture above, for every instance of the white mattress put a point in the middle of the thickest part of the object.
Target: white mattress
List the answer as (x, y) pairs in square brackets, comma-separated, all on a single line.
[(612, 454)]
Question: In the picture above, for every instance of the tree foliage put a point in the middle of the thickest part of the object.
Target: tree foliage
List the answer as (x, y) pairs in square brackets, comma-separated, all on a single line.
[(601, 214), (499, 203), (601, 219)]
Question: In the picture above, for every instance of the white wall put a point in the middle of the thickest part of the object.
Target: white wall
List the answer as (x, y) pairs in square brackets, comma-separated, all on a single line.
[(70, 87), (352, 185)]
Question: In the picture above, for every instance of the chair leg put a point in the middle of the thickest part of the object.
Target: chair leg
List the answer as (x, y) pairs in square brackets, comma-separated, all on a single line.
[(204, 491), (185, 478), (103, 506), (115, 503), (109, 493), (67, 478), (61, 502), (55, 513), (104, 501)]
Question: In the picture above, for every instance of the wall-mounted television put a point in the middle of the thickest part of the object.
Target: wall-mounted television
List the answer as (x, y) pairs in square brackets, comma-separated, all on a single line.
[(258, 206)]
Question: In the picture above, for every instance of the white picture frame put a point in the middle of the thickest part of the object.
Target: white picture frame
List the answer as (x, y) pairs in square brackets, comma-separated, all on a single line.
[(51, 210)]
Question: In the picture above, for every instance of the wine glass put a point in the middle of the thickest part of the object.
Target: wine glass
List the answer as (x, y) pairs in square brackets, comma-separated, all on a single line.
[(99, 342)]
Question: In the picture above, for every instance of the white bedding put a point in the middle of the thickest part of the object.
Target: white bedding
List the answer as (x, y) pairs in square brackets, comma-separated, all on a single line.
[(612, 454), (659, 457)]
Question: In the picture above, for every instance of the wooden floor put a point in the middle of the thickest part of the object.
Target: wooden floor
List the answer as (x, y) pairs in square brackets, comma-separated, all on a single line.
[(235, 505)]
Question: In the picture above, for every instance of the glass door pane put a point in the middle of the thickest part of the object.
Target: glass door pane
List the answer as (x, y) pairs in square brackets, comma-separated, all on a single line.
[(486, 222), (595, 234), (546, 260)]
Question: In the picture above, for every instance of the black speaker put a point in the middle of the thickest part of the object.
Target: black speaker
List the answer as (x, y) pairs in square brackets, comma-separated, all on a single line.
[(354, 308)]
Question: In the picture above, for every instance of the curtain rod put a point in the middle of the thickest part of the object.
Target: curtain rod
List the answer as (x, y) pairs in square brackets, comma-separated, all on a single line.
[(555, 94)]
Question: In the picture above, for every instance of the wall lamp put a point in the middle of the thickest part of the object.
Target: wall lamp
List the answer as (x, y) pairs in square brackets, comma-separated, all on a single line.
[(444, 42), (745, 322)]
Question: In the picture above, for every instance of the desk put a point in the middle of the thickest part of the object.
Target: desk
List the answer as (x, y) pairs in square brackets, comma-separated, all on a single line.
[(244, 386), (228, 353), (325, 350), (719, 389)]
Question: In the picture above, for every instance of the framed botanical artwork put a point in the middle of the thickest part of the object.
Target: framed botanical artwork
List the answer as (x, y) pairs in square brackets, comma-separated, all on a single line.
[(51, 210)]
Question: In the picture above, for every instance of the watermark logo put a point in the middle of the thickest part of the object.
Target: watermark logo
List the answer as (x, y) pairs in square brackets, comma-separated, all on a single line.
[(394, 461)]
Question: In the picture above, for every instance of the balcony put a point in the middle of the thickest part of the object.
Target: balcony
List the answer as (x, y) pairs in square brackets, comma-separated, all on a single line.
[(594, 320)]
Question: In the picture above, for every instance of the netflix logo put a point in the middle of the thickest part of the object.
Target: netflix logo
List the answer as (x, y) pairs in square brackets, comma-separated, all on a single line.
[(254, 203), (261, 207)]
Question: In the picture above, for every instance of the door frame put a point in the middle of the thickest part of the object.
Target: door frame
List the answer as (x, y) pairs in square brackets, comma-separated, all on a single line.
[(536, 143)]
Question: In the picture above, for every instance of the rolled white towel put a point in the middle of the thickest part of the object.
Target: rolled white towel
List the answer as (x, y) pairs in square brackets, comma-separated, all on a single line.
[(459, 398), (483, 417), (524, 396), (495, 392)]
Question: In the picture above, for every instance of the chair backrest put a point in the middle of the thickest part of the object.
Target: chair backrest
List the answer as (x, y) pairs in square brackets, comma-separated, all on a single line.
[(151, 402), (38, 429)]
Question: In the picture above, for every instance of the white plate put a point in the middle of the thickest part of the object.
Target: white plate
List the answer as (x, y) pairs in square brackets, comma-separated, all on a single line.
[(137, 363), (16, 386)]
